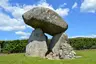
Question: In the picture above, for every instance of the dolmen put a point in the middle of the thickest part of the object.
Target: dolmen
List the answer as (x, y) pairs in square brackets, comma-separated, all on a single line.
[(45, 20)]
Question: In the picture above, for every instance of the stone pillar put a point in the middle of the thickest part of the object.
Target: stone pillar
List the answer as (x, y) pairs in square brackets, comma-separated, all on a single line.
[(60, 48), (36, 44)]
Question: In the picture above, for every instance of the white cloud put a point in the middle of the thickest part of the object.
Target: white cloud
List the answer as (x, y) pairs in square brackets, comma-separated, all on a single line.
[(88, 6), (44, 4), (3, 3), (7, 23), (23, 35), (30, 27), (62, 12), (75, 5), (10, 28), (85, 36), (62, 5)]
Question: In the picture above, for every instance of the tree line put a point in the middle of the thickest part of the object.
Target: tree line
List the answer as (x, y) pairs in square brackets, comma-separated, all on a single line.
[(18, 46)]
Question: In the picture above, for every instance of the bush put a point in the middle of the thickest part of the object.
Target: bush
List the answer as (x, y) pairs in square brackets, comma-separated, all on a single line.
[(16, 46), (1, 46), (83, 43)]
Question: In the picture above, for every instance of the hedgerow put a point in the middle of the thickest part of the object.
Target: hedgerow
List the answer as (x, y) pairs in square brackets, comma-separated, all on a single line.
[(83, 43), (18, 46), (15, 46)]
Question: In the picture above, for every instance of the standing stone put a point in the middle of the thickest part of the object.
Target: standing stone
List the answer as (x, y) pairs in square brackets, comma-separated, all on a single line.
[(37, 44), (46, 19), (60, 48)]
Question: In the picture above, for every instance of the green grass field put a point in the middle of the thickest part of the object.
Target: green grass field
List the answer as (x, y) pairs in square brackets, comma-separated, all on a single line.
[(88, 57)]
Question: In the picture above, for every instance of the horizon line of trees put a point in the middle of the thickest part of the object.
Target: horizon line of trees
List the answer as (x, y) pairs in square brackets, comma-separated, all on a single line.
[(19, 46)]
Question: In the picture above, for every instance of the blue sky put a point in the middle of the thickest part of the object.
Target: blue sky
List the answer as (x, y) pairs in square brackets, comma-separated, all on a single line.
[(79, 14)]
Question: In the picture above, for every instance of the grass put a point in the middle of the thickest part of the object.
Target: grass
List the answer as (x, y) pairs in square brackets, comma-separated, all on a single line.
[(88, 57)]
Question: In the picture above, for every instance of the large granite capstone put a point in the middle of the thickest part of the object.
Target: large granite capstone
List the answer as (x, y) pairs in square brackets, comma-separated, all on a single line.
[(46, 19)]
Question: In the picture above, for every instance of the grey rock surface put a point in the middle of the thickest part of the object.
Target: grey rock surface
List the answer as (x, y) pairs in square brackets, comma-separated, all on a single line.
[(37, 44), (60, 48), (46, 19)]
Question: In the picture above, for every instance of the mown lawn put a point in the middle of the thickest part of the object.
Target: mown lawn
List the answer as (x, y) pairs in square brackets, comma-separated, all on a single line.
[(88, 57)]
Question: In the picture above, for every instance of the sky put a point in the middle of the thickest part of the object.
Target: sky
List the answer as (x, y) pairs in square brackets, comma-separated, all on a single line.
[(79, 14)]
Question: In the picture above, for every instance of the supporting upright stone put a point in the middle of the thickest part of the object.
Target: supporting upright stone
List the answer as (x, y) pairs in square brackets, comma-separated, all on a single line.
[(60, 48), (37, 44)]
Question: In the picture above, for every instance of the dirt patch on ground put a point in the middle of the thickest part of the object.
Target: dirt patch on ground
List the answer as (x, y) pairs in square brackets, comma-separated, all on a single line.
[(1, 54)]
